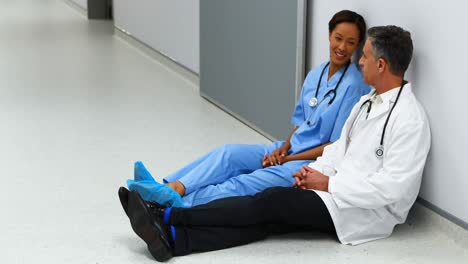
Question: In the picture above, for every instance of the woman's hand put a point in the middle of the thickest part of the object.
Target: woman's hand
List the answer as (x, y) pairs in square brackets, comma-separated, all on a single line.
[(277, 157)]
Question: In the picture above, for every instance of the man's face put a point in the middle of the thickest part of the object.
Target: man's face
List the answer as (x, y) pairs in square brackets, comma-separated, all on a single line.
[(369, 64)]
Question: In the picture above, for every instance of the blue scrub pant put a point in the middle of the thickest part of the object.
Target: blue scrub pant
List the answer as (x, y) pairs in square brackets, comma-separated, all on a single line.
[(233, 170)]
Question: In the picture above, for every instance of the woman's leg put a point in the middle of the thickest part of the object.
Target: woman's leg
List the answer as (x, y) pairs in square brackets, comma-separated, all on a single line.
[(219, 165), (215, 167), (245, 184)]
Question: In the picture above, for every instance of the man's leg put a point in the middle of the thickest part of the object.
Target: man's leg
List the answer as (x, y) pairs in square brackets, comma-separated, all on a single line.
[(202, 239), (245, 184), (239, 220), (164, 241), (285, 205), (228, 222)]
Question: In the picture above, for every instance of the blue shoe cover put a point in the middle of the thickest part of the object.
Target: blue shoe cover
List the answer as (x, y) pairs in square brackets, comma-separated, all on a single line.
[(156, 192), (140, 173)]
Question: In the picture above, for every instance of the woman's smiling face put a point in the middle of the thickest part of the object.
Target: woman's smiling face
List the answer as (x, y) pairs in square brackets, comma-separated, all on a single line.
[(344, 39)]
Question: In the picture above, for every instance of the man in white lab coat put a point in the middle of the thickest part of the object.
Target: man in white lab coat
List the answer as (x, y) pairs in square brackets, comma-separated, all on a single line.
[(364, 184)]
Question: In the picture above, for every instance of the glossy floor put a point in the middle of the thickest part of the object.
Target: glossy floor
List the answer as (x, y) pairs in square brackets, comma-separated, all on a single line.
[(78, 106)]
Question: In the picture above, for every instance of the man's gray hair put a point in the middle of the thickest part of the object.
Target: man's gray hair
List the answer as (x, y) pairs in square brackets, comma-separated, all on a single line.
[(393, 44)]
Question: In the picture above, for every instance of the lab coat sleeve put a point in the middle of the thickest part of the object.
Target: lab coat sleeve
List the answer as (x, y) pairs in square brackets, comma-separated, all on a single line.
[(399, 177), (333, 153), (343, 113), (326, 163)]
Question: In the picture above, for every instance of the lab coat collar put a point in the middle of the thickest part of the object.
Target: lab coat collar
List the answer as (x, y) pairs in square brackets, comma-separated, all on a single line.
[(388, 98)]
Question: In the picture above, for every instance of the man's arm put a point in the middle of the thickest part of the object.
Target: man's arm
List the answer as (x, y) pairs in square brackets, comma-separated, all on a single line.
[(403, 164), (332, 153), (308, 178)]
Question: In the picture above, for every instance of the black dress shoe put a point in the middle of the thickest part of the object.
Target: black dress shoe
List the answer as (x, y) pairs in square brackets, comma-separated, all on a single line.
[(155, 207), (123, 196), (149, 227)]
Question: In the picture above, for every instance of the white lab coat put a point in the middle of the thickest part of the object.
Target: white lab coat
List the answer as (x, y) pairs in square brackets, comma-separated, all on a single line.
[(368, 195)]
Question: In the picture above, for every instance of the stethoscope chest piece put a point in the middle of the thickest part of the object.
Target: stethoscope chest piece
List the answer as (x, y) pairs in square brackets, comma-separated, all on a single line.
[(379, 152), (313, 102)]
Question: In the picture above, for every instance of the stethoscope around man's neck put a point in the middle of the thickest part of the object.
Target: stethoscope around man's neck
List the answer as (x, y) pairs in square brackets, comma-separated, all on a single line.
[(313, 102), (379, 151)]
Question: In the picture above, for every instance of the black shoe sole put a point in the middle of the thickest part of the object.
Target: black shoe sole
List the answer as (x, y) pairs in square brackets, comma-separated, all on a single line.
[(123, 197), (144, 226)]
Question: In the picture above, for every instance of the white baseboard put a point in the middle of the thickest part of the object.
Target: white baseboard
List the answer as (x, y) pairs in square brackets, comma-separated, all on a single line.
[(427, 219), (192, 77), (83, 11)]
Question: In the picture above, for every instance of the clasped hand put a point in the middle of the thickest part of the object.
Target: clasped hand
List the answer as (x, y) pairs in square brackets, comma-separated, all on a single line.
[(308, 178), (277, 157)]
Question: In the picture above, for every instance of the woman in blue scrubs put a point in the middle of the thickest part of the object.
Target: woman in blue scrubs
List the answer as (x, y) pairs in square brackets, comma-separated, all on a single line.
[(328, 95)]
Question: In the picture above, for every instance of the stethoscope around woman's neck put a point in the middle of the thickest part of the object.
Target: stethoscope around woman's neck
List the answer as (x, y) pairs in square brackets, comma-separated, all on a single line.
[(379, 151), (313, 102)]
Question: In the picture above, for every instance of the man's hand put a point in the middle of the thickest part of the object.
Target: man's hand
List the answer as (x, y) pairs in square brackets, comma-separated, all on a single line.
[(308, 178), (277, 157)]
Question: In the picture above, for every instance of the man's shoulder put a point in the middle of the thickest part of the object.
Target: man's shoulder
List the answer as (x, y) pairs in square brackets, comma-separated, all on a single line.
[(410, 108)]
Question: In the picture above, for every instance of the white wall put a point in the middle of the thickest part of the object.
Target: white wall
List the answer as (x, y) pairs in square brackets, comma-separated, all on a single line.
[(82, 3), (438, 72), (170, 27)]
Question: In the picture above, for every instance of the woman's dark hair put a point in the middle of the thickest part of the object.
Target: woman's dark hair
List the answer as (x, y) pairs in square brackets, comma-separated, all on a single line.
[(350, 17)]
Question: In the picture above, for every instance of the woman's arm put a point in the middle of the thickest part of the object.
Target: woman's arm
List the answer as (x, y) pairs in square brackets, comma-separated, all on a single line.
[(311, 154), (279, 154)]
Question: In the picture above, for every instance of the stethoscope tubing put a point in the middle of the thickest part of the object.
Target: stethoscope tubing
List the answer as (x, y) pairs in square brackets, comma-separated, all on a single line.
[(369, 102), (315, 105), (317, 89), (390, 113)]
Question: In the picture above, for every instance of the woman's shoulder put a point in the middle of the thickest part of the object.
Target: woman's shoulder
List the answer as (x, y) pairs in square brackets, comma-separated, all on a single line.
[(355, 73), (314, 74), (356, 80), (318, 69)]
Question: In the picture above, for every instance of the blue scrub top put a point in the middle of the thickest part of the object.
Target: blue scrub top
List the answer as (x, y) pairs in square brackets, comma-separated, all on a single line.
[(326, 121)]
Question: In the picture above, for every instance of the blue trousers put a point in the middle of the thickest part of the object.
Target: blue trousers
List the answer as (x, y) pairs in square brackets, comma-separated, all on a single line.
[(233, 170)]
